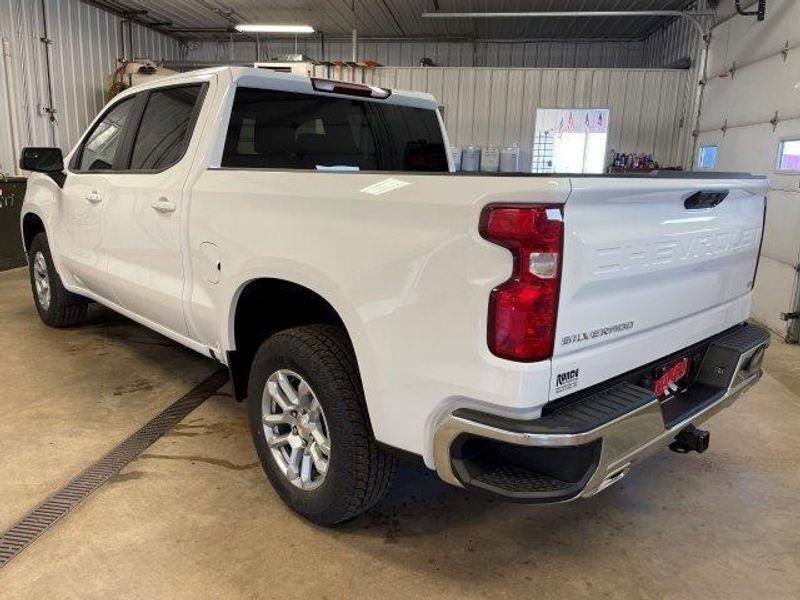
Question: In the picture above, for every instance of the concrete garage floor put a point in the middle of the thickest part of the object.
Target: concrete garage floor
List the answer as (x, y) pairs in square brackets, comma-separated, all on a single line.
[(194, 516)]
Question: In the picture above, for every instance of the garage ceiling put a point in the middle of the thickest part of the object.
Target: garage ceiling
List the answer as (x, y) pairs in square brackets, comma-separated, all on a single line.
[(402, 18)]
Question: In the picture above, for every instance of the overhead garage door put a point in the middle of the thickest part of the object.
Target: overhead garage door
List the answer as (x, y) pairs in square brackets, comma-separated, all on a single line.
[(752, 103)]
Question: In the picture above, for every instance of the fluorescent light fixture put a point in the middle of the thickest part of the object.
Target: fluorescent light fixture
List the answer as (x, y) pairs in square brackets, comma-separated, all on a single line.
[(263, 28)]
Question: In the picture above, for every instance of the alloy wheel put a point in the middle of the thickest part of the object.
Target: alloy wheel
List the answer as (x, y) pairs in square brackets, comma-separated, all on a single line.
[(295, 429), (41, 280)]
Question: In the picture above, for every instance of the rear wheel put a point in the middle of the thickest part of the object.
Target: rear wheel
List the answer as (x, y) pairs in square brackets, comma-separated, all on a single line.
[(310, 425), (56, 306)]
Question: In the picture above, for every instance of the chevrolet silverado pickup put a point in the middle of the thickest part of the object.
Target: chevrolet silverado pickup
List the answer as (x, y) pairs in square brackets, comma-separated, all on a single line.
[(530, 336)]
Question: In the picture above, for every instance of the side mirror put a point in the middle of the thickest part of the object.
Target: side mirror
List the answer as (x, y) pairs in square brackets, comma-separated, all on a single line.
[(42, 160), (49, 161)]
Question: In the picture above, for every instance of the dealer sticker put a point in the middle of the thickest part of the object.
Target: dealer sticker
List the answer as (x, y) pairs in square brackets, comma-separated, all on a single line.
[(567, 380)]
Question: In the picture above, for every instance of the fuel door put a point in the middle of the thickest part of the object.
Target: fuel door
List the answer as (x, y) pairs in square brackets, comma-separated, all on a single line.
[(210, 263)]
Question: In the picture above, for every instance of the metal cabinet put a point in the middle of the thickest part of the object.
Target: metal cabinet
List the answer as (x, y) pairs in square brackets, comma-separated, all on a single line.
[(12, 192)]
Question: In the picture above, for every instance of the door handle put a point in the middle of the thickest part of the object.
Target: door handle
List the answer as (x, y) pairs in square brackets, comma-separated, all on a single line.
[(94, 197), (163, 205), (703, 199)]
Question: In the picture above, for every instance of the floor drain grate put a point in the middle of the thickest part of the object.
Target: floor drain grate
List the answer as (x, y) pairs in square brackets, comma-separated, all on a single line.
[(59, 504)]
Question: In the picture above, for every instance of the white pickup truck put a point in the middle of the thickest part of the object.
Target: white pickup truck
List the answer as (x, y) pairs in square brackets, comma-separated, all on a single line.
[(531, 336)]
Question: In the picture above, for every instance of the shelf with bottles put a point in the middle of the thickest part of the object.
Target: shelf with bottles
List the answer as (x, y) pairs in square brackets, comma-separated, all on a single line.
[(621, 162)]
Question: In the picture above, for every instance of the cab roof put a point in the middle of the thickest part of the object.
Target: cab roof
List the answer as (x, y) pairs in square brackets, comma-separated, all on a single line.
[(267, 79)]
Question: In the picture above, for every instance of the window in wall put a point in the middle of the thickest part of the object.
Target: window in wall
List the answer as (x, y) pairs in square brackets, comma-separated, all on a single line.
[(789, 156), (165, 127), (288, 130), (707, 157), (97, 153), (570, 140)]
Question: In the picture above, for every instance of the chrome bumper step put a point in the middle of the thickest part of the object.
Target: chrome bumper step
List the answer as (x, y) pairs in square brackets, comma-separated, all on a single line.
[(582, 416), (583, 446)]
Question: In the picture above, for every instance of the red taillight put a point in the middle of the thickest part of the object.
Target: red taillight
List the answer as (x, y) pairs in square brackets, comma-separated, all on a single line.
[(523, 310), (351, 89)]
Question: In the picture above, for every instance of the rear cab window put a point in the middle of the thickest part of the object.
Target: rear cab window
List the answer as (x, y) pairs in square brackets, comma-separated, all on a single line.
[(290, 130)]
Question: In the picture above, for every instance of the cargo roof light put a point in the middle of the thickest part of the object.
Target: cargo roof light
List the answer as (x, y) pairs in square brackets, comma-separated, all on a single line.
[(351, 89), (267, 28)]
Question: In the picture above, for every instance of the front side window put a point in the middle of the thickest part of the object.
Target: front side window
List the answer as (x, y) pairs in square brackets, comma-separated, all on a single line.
[(100, 148), (287, 130), (165, 128)]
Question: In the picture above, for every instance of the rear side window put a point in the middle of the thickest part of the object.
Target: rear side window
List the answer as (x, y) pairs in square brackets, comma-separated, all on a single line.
[(287, 130), (100, 148), (165, 127)]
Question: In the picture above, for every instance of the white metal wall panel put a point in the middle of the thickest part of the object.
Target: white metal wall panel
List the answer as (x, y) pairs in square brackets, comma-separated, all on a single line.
[(484, 106), (617, 85), (15, 24), (670, 136), (764, 83), (610, 54), (85, 47)]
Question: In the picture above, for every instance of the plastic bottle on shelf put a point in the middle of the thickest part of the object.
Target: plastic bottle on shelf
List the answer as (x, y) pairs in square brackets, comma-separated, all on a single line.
[(490, 159), (509, 159), (470, 158), (455, 152)]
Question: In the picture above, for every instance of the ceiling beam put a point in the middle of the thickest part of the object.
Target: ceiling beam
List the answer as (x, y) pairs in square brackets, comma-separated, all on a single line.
[(394, 18), (136, 15)]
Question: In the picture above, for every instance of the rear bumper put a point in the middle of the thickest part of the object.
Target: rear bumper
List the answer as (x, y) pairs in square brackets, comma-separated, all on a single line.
[(587, 445)]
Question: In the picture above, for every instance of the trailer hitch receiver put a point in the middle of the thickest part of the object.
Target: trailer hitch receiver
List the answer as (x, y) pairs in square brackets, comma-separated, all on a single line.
[(689, 439)]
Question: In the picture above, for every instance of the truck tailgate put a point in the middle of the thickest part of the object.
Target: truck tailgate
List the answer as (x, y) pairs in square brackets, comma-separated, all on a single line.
[(650, 267)]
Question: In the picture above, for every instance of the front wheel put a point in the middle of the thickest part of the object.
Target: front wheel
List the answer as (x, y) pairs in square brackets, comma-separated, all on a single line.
[(310, 425), (56, 306)]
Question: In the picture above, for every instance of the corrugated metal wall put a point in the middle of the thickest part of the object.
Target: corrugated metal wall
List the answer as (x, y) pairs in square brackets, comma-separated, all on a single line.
[(87, 42), (85, 45), (491, 106), (628, 54), (678, 39)]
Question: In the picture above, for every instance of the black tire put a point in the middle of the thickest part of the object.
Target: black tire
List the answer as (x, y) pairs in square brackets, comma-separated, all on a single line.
[(360, 472), (65, 308)]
